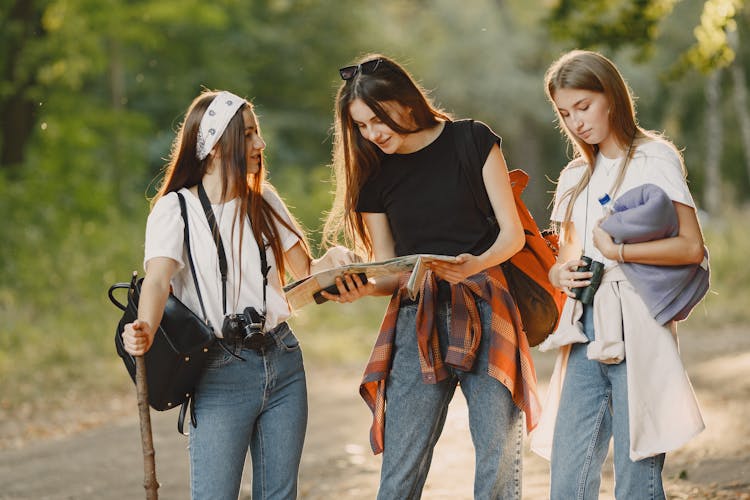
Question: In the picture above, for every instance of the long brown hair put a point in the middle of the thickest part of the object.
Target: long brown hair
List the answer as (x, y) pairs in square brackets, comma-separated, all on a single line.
[(355, 159), (184, 169), (586, 70)]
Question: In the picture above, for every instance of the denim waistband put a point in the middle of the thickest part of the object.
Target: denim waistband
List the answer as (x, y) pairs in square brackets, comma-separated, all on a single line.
[(443, 294)]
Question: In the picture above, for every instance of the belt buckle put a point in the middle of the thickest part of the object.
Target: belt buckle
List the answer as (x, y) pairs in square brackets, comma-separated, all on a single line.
[(257, 342)]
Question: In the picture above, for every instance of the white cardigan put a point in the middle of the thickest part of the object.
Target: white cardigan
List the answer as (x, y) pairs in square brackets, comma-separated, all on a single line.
[(662, 407)]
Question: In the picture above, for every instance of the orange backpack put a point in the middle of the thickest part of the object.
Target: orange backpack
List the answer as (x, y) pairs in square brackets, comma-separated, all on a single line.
[(539, 303)]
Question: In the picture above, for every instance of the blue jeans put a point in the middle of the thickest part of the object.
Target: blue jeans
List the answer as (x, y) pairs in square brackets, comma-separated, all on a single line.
[(594, 409), (416, 413), (260, 404)]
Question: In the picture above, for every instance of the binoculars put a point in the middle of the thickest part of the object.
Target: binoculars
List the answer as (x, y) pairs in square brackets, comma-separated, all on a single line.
[(586, 293)]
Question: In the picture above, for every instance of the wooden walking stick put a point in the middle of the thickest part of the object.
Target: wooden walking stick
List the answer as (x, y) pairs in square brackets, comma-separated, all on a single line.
[(147, 441), (144, 414)]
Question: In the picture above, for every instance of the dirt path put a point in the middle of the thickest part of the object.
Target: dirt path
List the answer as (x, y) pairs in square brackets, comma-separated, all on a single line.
[(104, 462)]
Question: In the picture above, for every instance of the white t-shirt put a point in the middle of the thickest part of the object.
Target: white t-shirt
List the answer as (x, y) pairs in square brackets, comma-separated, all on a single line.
[(654, 162), (164, 238)]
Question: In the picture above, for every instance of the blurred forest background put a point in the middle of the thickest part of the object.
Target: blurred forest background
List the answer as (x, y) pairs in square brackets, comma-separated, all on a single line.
[(92, 91)]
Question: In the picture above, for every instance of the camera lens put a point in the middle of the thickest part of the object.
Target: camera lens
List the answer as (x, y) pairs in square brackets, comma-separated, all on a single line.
[(251, 329)]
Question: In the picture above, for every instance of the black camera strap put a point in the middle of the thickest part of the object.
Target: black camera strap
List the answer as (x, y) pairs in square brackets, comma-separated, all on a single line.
[(264, 267)]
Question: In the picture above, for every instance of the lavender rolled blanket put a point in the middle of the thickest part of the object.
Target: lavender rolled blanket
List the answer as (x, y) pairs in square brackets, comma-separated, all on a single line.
[(646, 213)]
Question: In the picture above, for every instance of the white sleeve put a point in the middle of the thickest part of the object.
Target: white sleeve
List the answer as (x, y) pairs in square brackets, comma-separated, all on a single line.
[(288, 237), (663, 168), (165, 231), (568, 178)]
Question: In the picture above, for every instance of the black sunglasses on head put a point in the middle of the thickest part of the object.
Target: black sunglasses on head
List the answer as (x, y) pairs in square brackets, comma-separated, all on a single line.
[(365, 68)]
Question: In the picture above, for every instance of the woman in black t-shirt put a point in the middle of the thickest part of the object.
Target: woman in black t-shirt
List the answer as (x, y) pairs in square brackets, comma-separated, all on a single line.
[(401, 191)]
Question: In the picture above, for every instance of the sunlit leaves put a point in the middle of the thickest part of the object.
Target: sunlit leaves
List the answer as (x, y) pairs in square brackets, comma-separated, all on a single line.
[(610, 24), (614, 24), (712, 50)]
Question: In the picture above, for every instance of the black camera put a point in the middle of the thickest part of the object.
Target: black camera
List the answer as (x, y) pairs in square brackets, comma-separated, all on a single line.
[(586, 293), (245, 327)]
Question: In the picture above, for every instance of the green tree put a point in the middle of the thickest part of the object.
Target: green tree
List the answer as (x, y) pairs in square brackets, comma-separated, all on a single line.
[(109, 80), (18, 30)]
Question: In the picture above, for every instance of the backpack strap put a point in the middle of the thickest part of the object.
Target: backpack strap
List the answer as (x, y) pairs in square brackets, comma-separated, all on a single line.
[(468, 155), (183, 212), (189, 402)]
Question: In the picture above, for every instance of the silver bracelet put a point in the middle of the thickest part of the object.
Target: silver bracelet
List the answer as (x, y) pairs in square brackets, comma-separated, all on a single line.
[(620, 249)]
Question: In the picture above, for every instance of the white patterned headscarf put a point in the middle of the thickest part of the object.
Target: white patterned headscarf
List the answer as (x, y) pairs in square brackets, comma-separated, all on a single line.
[(215, 120)]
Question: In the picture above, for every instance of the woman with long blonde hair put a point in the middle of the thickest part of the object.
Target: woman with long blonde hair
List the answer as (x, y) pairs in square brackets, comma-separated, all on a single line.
[(633, 389)]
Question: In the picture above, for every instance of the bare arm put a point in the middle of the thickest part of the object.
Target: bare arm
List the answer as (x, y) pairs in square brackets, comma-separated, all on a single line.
[(685, 248), (350, 287), (139, 335), (511, 238), (300, 264), (297, 261), (384, 247)]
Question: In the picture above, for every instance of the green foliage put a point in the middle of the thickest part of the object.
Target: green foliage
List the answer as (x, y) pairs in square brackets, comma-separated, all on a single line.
[(615, 24), (610, 24), (340, 334), (110, 81), (728, 242), (58, 325), (712, 49)]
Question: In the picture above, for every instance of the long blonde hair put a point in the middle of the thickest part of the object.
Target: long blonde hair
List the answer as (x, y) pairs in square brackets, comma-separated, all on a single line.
[(355, 159), (587, 70)]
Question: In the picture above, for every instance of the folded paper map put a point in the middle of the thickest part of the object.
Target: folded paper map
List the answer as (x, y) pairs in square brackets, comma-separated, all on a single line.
[(302, 292)]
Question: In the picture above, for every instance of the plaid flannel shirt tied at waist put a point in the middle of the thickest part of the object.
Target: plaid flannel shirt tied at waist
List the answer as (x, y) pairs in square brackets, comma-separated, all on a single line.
[(510, 359)]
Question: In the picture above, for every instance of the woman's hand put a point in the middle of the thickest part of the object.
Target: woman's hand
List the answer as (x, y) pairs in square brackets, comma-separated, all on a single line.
[(568, 278), (137, 337), (455, 272), (351, 288), (335, 256), (604, 243)]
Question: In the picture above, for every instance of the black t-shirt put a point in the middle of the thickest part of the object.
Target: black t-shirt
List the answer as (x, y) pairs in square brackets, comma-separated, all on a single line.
[(427, 198)]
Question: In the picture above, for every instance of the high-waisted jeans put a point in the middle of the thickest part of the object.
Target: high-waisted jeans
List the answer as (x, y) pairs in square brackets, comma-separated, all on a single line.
[(593, 410), (416, 414), (260, 404)]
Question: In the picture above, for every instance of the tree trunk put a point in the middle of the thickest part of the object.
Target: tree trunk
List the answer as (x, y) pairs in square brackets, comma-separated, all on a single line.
[(116, 72), (147, 442), (714, 138), (740, 98), (16, 109)]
